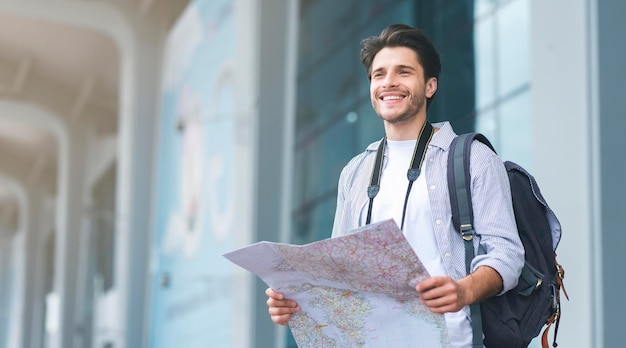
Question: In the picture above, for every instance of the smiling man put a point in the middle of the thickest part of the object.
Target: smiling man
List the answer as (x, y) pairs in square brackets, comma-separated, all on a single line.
[(403, 69)]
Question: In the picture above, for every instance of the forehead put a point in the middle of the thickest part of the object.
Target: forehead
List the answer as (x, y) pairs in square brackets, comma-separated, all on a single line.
[(395, 56)]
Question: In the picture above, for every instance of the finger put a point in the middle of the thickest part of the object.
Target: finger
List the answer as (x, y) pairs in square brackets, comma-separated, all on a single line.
[(283, 310), (281, 319), (271, 302), (430, 283), (433, 292), (274, 294), (281, 315), (439, 301), (442, 299), (444, 309)]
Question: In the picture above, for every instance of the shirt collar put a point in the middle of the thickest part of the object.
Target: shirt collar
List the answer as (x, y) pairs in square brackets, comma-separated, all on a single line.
[(442, 138)]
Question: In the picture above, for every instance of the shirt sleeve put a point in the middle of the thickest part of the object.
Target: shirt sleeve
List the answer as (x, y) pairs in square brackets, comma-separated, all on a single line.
[(350, 190), (339, 216), (494, 221)]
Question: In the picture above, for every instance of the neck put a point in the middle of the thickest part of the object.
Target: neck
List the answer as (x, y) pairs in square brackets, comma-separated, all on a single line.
[(405, 130)]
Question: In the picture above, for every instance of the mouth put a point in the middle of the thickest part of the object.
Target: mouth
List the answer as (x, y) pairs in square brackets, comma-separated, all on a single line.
[(391, 97)]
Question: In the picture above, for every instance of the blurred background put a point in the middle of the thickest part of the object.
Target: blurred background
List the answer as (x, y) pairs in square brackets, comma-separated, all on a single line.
[(142, 139)]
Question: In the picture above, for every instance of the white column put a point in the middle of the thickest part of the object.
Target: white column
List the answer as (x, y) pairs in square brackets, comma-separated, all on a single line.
[(84, 281), (68, 224), (29, 205), (19, 307), (43, 230), (32, 264), (608, 53), (17, 297), (561, 115), (138, 116), (5, 287)]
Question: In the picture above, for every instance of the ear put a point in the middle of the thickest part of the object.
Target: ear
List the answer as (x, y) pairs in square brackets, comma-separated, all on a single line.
[(431, 87)]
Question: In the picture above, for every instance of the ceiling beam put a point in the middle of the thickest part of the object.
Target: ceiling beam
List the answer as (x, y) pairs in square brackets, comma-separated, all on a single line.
[(38, 168), (6, 217), (144, 7), (85, 93), (23, 71)]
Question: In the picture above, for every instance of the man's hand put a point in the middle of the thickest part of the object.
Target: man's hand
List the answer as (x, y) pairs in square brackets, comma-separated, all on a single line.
[(444, 294), (280, 309)]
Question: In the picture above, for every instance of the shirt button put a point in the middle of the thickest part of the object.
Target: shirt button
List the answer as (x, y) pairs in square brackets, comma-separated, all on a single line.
[(430, 160), (448, 255), (438, 222), (432, 187)]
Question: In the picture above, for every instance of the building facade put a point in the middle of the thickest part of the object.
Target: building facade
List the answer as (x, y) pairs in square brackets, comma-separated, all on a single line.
[(233, 122)]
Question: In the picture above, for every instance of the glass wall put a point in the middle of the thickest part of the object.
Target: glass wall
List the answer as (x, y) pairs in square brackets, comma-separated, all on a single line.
[(449, 25), (484, 86), (503, 103), (334, 118)]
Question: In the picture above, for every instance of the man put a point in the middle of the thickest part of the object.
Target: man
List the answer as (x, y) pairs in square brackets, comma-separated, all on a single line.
[(403, 68)]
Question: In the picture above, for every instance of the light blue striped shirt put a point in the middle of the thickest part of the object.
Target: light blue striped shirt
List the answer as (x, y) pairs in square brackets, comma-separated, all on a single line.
[(497, 244)]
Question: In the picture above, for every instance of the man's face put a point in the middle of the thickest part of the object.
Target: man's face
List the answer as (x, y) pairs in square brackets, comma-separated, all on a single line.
[(397, 88)]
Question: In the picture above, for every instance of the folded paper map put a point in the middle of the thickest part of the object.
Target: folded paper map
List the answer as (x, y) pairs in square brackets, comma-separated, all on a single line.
[(356, 290)]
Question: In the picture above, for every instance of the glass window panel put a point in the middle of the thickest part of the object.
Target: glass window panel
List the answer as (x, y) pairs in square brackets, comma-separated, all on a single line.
[(487, 124), (483, 7), (363, 85), (516, 130), (299, 194), (485, 62), (324, 28), (370, 127), (455, 100), (306, 111), (307, 173), (305, 46), (327, 92), (513, 45), (377, 14), (337, 149), (319, 163), (315, 223)]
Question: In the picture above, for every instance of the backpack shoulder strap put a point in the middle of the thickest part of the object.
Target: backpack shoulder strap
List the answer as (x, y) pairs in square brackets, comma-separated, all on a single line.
[(458, 176)]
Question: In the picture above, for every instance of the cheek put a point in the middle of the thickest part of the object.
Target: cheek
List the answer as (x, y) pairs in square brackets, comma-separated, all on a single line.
[(373, 89)]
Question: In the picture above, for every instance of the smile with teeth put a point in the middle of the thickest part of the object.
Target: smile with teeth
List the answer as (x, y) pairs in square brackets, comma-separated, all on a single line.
[(392, 97)]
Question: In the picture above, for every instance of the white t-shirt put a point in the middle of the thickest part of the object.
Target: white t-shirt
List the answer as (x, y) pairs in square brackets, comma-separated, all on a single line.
[(418, 225)]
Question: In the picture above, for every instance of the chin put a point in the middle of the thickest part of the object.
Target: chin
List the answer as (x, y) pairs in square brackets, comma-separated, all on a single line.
[(396, 118)]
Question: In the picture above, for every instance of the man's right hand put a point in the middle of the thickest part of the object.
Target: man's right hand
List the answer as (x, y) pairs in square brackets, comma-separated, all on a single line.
[(280, 309)]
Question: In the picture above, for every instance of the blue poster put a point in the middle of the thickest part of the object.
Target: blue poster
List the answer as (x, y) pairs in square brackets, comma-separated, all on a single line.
[(199, 138)]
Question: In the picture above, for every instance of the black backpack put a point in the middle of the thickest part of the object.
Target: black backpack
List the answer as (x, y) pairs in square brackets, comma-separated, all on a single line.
[(512, 319)]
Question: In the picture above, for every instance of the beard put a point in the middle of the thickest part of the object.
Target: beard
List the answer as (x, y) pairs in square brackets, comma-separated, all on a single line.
[(410, 111)]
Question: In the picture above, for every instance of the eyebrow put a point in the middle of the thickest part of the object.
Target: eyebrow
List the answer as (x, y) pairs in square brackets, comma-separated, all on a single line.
[(400, 66)]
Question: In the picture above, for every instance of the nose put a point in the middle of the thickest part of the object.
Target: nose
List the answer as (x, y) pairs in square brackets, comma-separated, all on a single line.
[(389, 81)]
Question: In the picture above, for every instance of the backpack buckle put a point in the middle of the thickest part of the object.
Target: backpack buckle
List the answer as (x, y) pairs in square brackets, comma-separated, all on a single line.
[(465, 228)]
